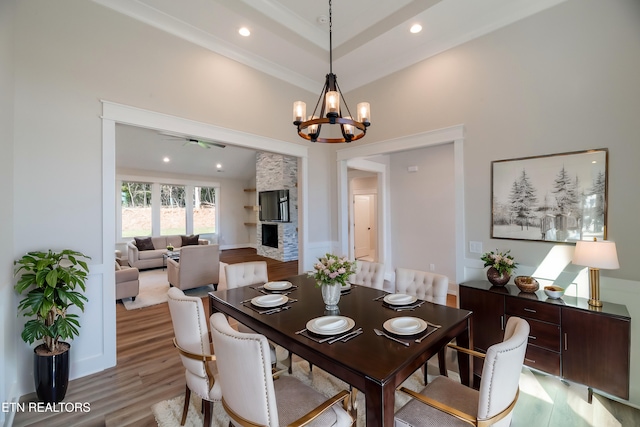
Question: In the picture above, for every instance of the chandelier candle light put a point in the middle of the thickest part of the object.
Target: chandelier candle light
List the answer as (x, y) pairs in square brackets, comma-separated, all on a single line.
[(330, 111), (596, 254)]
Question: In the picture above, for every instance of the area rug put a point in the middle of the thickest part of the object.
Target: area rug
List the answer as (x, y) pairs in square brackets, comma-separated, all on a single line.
[(154, 286), (169, 412)]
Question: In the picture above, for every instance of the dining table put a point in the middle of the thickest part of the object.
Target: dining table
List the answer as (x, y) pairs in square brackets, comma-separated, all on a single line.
[(371, 363)]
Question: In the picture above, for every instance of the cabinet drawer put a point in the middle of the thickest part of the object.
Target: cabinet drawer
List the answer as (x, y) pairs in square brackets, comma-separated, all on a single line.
[(544, 360), (533, 310), (543, 334)]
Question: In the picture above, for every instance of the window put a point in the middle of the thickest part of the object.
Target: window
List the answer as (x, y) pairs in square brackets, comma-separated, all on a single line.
[(173, 218), (204, 210), (136, 209), (156, 208)]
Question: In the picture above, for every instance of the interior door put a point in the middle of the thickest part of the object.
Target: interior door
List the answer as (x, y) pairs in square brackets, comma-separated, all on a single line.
[(362, 225)]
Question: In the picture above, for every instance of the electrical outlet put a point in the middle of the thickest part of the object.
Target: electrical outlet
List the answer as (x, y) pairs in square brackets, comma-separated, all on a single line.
[(475, 247), (432, 267)]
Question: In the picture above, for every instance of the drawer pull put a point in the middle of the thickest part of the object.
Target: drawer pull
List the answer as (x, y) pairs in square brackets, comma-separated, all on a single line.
[(530, 360), (565, 341), (502, 323), (530, 310), (531, 337)]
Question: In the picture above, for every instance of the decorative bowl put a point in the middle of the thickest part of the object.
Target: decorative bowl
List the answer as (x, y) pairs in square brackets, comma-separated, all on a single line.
[(526, 283), (169, 248), (554, 291)]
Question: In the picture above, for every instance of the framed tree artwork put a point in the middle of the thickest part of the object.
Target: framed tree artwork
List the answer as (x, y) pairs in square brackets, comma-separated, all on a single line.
[(555, 198)]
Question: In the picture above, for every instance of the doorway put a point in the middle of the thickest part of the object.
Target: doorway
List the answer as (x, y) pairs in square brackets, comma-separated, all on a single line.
[(364, 226)]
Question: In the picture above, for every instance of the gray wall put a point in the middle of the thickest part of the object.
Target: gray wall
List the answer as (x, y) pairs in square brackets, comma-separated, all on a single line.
[(8, 338), (422, 210), (563, 80)]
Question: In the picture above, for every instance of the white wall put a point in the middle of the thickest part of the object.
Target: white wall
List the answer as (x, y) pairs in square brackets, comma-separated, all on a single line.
[(563, 80), (8, 300), (422, 210), (70, 54)]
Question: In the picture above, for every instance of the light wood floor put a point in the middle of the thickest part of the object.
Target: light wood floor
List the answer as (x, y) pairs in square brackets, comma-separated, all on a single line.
[(149, 371)]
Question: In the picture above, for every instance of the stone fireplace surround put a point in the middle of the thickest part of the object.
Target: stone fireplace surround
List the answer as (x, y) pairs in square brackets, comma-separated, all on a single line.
[(278, 172)]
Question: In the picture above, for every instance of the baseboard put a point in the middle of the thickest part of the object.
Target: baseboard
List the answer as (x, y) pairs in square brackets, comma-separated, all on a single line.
[(238, 246)]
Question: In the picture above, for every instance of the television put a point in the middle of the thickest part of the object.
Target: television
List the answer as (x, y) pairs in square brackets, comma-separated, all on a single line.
[(274, 205)]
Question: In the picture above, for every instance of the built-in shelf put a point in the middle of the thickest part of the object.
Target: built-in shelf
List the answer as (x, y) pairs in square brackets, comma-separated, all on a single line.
[(250, 223), (252, 207), (249, 190)]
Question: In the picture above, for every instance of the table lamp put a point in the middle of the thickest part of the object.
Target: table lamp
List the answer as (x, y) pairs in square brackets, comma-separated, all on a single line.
[(596, 254)]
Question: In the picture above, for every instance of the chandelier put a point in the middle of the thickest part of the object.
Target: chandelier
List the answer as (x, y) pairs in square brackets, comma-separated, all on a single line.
[(331, 111)]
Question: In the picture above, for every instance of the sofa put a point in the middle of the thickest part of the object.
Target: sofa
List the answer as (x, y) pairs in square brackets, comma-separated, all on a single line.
[(198, 266), (149, 254), (127, 282)]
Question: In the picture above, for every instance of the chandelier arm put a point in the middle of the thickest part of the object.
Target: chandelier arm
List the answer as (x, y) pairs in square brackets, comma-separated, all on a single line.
[(344, 102)]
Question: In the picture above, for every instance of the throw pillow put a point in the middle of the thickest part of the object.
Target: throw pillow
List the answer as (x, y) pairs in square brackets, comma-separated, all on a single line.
[(144, 243), (190, 240)]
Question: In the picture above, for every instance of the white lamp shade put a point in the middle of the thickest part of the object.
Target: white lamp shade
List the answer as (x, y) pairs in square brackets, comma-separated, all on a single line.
[(596, 254)]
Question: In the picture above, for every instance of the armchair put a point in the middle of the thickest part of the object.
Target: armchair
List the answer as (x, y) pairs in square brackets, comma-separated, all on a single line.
[(445, 402), (199, 265), (127, 282)]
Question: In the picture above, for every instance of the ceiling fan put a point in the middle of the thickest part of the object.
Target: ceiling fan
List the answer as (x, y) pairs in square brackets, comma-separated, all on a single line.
[(193, 141)]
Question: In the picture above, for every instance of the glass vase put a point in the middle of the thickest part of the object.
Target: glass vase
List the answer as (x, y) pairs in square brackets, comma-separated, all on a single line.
[(330, 295)]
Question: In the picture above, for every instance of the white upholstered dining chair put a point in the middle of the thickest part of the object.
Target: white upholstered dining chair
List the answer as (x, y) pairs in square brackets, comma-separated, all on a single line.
[(248, 274), (445, 402), (192, 341), (369, 274), (253, 398), (426, 286)]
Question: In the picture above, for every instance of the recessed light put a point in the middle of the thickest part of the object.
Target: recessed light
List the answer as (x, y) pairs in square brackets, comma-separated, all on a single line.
[(219, 166), (166, 159), (244, 32), (415, 28)]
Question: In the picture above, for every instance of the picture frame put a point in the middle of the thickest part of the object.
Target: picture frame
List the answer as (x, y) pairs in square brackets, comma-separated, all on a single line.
[(551, 198)]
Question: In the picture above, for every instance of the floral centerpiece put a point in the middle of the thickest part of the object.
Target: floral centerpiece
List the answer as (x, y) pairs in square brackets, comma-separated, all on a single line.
[(501, 265), (332, 269), (331, 273)]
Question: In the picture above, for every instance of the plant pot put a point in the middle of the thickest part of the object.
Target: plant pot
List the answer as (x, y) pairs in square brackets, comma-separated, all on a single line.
[(51, 374), (496, 278), (331, 295)]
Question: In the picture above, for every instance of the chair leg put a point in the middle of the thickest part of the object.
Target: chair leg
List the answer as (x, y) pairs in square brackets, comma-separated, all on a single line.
[(185, 409), (290, 363), (207, 412)]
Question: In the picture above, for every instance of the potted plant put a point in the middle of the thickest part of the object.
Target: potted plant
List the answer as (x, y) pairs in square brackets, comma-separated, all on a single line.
[(501, 265), (50, 280)]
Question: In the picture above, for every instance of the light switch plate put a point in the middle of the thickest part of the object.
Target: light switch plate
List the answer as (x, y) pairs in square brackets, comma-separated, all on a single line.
[(475, 247)]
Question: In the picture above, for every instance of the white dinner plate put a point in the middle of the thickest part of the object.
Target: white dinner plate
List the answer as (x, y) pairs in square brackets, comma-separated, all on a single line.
[(405, 325), (330, 325), (277, 286), (399, 299), (270, 300)]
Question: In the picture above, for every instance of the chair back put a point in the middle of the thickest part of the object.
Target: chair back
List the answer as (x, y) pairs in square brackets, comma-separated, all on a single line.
[(501, 371), (192, 334), (200, 264), (244, 372), (422, 284), (246, 274), (369, 274)]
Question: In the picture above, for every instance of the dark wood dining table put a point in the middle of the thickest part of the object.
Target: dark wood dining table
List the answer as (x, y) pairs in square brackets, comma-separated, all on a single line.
[(373, 364)]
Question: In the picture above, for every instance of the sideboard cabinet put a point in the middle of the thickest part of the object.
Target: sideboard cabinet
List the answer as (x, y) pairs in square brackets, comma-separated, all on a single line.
[(568, 338)]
